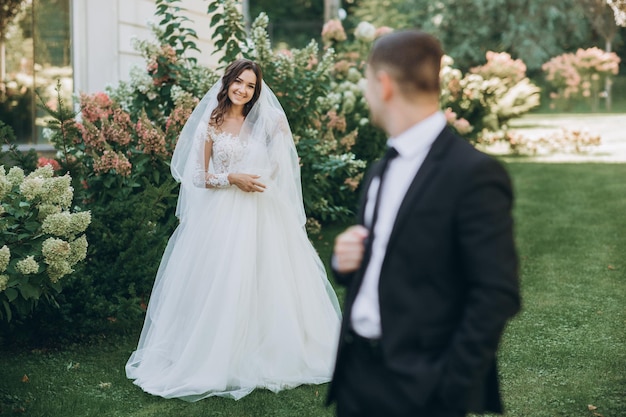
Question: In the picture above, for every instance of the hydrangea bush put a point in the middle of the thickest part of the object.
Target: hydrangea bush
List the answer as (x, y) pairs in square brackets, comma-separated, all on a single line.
[(579, 75), (43, 239), (486, 98), (476, 103), (346, 101)]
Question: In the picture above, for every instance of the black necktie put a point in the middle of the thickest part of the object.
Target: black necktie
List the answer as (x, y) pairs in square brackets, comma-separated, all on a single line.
[(384, 162)]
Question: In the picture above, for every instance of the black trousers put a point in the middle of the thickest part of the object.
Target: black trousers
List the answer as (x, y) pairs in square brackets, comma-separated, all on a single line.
[(365, 387)]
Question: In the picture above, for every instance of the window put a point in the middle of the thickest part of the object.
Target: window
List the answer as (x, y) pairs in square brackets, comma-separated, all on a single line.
[(34, 58)]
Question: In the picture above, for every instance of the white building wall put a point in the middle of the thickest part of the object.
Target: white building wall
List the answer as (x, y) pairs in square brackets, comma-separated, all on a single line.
[(102, 33)]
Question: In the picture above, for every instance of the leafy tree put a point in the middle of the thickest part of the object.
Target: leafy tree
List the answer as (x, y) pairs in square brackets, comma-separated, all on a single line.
[(532, 30), (294, 23)]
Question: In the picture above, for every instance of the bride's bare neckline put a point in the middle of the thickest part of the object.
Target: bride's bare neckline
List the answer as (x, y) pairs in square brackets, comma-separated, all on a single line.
[(226, 132)]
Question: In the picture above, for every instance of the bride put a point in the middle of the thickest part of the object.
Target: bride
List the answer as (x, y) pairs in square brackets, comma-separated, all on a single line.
[(241, 299)]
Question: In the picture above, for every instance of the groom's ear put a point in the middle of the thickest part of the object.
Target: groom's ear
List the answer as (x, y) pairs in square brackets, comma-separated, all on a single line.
[(387, 85)]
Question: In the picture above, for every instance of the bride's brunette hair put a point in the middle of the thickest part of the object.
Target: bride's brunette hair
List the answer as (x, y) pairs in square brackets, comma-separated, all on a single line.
[(231, 73)]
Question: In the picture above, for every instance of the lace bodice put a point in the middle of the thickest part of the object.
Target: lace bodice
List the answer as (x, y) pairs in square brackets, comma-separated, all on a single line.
[(226, 151)]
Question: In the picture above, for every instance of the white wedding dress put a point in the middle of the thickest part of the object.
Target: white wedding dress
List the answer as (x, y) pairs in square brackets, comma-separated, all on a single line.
[(241, 299)]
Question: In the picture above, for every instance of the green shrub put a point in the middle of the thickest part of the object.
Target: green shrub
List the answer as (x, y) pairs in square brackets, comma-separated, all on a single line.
[(42, 239)]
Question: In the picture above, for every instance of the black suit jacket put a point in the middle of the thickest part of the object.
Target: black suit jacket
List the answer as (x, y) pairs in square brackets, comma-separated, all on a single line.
[(448, 282)]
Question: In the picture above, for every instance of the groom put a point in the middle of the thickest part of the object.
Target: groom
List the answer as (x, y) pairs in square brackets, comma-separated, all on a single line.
[(431, 267)]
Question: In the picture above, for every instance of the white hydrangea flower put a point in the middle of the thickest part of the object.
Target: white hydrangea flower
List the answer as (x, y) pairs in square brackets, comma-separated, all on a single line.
[(354, 75), (5, 184), (5, 257), (349, 101), (45, 171), (179, 95), (54, 249), (65, 224), (15, 176), (80, 221), (32, 187), (362, 84), (365, 32), (58, 224), (58, 269), (141, 80), (58, 190), (78, 250), (4, 280), (334, 98), (27, 265), (46, 210), (447, 61)]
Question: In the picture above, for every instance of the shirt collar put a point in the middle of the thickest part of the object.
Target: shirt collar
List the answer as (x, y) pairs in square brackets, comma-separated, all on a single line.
[(419, 137)]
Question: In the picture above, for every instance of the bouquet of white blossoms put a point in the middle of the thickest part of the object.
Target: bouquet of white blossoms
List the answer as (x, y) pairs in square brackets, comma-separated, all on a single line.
[(41, 240)]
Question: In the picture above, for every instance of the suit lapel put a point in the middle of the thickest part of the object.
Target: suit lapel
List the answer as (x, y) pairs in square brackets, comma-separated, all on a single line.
[(429, 167)]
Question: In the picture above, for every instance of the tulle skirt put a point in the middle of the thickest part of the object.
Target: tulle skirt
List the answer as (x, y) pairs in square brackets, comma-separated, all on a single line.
[(241, 301)]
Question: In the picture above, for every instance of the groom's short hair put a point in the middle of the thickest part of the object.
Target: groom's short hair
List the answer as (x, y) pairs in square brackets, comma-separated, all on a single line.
[(411, 57)]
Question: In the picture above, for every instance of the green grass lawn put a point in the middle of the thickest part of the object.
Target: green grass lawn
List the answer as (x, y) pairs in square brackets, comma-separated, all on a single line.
[(565, 351)]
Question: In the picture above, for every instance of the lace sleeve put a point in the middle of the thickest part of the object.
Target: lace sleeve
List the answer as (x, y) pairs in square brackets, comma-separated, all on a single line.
[(217, 180), (204, 179)]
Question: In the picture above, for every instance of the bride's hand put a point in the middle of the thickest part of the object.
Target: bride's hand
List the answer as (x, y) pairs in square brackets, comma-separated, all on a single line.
[(246, 182)]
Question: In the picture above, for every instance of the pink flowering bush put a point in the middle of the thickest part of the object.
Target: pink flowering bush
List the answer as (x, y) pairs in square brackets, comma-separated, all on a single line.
[(119, 162), (333, 32), (486, 98), (43, 161), (346, 95), (117, 149), (501, 65), (579, 75)]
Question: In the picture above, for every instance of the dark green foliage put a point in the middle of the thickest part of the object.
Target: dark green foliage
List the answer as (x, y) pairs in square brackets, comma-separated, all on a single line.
[(228, 30), (130, 232), (10, 155), (16, 108), (175, 33), (293, 23), (370, 144)]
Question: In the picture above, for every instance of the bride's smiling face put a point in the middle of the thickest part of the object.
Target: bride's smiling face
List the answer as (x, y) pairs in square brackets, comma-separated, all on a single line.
[(242, 88)]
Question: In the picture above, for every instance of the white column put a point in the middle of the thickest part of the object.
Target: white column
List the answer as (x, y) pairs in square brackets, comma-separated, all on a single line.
[(95, 54)]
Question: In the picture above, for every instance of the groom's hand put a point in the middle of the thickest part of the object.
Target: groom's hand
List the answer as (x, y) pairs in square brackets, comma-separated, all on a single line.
[(349, 248)]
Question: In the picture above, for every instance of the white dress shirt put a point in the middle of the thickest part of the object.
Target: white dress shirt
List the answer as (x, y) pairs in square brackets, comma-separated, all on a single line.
[(412, 146)]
